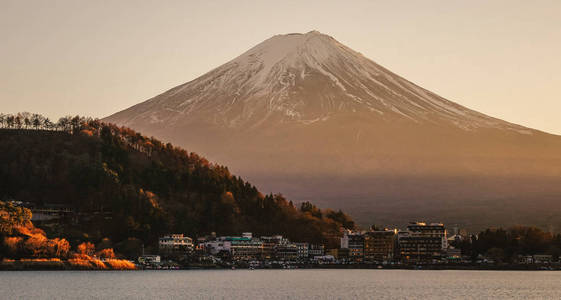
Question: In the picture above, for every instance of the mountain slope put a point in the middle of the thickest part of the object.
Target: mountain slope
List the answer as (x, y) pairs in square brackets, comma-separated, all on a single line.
[(306, 115)]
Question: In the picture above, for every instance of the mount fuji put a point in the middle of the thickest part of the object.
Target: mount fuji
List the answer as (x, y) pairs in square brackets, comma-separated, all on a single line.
[(304, 115)]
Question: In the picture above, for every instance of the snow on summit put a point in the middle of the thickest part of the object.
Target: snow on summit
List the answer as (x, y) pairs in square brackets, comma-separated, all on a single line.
[(302, 78)]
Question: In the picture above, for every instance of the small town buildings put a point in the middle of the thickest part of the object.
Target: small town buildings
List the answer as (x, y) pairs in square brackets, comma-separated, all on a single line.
[(200, 246), (333, 252), (175, 244), (316, 250), (453, 255), (542, 258), (245, 247), (248, 248), (525, 259), (354, 242), (344, 254), (379, 245), (218, 247), (47, 212), (535, 259), (286, 252), (269, 244), (149, 259), (303, 250), (324, 259), (422, 242)]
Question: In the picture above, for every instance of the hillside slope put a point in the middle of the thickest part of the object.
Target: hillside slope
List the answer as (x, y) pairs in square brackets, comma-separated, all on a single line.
[(121, 184)]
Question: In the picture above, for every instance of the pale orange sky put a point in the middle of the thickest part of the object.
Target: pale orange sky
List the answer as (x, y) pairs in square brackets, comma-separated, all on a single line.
[(94, 58)]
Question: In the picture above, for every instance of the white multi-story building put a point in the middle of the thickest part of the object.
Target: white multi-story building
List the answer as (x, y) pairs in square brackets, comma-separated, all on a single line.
[(246, 247), (303, 250), (175, 244), (243, 247), (218, 246), (316, 250)]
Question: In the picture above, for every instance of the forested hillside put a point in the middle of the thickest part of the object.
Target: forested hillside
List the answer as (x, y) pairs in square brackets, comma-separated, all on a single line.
[(125, 186)]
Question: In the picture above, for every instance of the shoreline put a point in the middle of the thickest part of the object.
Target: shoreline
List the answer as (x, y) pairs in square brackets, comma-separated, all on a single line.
[(57, 265), (66, 266)]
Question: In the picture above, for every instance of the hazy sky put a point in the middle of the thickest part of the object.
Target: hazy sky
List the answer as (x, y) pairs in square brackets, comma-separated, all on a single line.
[(502, 58)]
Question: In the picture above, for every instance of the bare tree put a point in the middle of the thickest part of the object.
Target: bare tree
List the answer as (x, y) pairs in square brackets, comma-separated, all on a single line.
[(37, 120), (18, 121), (26, 121), (47, 124), (10, 121), (75, 123), (64, 123)]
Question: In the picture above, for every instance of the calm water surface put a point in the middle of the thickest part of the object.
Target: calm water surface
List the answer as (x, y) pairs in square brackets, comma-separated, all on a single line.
[(281, 284)]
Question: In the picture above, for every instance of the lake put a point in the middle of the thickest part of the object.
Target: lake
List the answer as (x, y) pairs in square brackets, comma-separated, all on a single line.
[(281, 284)]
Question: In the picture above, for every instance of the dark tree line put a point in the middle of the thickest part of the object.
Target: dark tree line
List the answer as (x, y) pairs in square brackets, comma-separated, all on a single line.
[(506, 245), (26, 120)]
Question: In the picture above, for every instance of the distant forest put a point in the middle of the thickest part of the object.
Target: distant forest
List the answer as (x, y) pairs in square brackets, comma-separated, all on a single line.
[(130, 188), (506, 245), (28, 120)]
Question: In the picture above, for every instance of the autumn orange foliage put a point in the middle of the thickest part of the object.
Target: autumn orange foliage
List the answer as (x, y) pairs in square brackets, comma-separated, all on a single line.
[(80, 263), (12, 243), (120, 264), (35, 243), (22, 239), (86, 132), (97, 264), (40, 260), (84, 259), (106, 253), (86, 248)]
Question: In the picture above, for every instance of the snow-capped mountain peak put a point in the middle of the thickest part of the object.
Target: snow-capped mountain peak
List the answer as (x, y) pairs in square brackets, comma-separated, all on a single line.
[(303, 78)]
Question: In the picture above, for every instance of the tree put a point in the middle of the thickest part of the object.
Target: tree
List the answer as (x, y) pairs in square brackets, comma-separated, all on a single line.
[(10, 121), (18, 121), (306, 206), (58, 248), (26, 120), (37, 120), (47, 124), (86, 248), (63, 123), (75, 123), (106, 253)]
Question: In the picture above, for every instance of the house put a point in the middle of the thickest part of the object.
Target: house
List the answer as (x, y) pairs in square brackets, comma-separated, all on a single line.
[(286, 252), (379, 245), (354, 242), (303, 250), (316, 250), (149, 259), (175, 244), (422, 242), (542, 259)]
